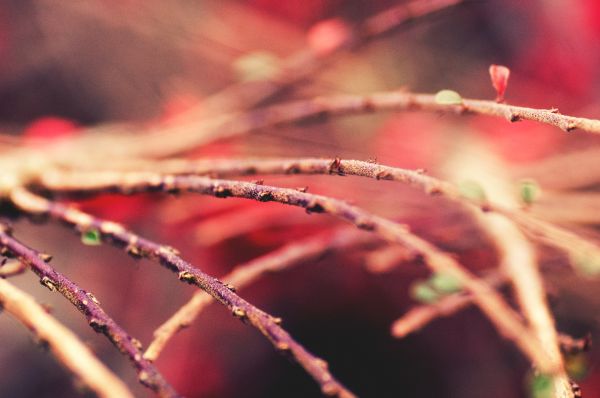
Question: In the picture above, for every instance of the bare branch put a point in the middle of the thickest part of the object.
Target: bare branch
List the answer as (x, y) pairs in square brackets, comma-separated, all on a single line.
[(579, 248), (88, 305), (64, 344), (487, 299), (281, 259), (168, 257)]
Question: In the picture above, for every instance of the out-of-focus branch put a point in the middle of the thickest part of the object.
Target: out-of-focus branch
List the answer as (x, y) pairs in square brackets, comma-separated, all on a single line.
[(184, 138), (64, 344), (279, 260), (168, 257), (489, 300), (475, 162), (89, 306), (305, 63)]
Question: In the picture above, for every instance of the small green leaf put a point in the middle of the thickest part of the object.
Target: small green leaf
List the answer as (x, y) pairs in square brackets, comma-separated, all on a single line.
[(448, 97), (541, 386), (529, 191), (421, 291), (472, 190), (444, 283), (91, 237)]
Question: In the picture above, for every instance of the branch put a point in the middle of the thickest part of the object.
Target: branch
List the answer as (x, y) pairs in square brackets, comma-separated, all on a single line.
[(517, 255), (418, 317), (185, 138), (579, 249), (492, 304), (281, 259), (169, 258), (64, 344), (305, 63), (88, 305)]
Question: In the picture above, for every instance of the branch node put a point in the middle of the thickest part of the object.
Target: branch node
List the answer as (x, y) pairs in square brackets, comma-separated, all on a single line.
[(49, 283)]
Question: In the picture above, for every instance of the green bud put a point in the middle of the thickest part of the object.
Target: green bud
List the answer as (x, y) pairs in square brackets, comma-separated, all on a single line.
[(444, 283), (529, 191), (448, 97), (541, 386), (422, 292), (472, 190), (91, 237)]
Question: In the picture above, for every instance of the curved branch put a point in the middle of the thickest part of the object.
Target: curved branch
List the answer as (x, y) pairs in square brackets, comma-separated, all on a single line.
[(579, 248), (168, 257), (88, 305), (491, 303), (63, 343)]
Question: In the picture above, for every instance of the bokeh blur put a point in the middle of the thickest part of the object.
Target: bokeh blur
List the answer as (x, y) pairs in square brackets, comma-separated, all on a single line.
[(66, 67)]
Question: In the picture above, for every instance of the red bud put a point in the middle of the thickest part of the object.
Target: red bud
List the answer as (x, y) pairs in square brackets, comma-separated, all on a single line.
[(499, 75)]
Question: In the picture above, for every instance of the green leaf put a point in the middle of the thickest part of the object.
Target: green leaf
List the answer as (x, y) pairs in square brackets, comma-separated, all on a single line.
[(529, 191), (91, 237), (472, 190), (444, 283), (422, 292), (448, 97), (541, 386)]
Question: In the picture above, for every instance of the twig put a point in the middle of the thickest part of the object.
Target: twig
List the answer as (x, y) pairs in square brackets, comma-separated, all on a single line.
[(281, 259), (571, 170), (165, 143), (64, 344), (489, 301), (305, 63), (88, 305), (169, 258), (473, 161), (576, 246), (418, 317), (11, 268)]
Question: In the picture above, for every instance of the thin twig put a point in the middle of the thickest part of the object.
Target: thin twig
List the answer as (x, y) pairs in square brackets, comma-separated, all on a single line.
[(168, 257), (88, 305), (418, 317), (64, 344), (244, 274), (164, 143), (579, 248), (11, 268), (489, 301)]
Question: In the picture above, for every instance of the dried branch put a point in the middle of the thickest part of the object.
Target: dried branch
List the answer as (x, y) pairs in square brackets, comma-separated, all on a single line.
[(168, 257), (244, 274), (88, 305), (64, 344), (579, 248), (487, 299)]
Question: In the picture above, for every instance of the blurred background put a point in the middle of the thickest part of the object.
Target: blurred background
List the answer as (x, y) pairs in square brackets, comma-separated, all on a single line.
[(69, 66)]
